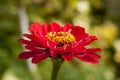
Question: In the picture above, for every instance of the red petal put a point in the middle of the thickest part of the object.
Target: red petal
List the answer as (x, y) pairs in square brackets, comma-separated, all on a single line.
[(83, 36), (39, 57), (88, 59), (33, 48), (24, 41), (43, 42), (67, 48), (26, 55), (85, 41), (38, 43), (56, 51), (67, 27), (47, 28), (77, 31), (37, 29), (68, 56), (51, 44), (28, 36), (81, 52), (32, 38), (53, 54), (89, 40), (93, 55), (93, 50), (27, 42), (55, 27)]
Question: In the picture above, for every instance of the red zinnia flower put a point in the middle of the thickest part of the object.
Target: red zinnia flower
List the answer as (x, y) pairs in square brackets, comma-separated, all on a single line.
[(52, 40)]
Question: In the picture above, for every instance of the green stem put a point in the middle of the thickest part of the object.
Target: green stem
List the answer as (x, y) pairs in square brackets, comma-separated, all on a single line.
[(56, 67)]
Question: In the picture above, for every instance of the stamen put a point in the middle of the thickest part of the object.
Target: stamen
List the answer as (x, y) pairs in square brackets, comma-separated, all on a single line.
[(61, 37)]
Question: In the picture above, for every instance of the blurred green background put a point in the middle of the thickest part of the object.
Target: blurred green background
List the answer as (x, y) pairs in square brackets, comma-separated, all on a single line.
[(99, 17)]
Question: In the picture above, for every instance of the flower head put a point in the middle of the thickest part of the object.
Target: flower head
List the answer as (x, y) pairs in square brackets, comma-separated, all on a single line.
[(53, 40)]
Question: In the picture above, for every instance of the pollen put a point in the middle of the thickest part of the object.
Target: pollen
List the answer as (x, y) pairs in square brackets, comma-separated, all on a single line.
[(61, 37)]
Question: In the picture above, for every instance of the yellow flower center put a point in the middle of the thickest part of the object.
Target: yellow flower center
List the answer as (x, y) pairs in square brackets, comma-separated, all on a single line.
[(61, 37)]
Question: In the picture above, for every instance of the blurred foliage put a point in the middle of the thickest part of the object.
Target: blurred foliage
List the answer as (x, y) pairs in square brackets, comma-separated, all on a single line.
[(101, 18)]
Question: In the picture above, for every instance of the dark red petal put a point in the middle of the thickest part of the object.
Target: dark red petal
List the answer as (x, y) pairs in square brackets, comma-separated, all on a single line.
[(39, 57), (77, 31), (67, 27), (68, 56), (55, 27), (88, 59), (26, 55)]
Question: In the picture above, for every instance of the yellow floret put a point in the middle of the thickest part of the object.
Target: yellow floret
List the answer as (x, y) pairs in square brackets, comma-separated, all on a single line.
[(61, 37)]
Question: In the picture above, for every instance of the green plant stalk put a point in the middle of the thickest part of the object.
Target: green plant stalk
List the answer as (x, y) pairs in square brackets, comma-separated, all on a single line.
[(57, 63)]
